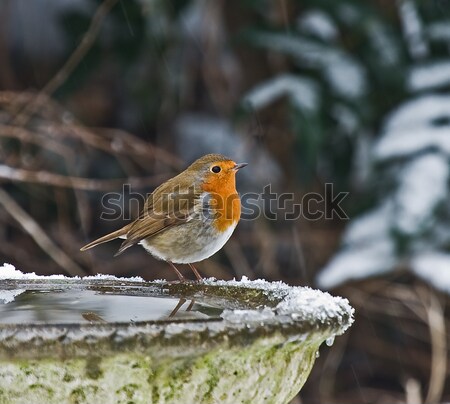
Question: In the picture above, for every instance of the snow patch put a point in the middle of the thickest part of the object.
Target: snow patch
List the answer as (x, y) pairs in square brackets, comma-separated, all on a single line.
[(314, 305), (345, 75), (434, 268), (429, 76), (302, 92), (319, 24), (420, 112), (372, 225), (299, 303), (415, 126), (8, 271), (358, 262), (8, 296), (412, 29), (401, 144), (276, 290), (423, 186)]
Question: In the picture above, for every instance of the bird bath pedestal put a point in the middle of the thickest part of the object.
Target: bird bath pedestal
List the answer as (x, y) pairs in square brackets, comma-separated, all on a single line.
[(109, 340)]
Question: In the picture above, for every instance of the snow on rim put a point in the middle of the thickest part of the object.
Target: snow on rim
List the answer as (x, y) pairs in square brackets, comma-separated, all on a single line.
[(301, 303), (8, 271)]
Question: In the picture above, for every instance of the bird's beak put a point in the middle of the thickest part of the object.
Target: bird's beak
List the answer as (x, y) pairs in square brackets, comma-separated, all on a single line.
[(239, 166)]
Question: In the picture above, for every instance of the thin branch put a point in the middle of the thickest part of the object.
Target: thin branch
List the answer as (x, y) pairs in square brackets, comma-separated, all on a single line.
[(135, 145), (39, 236), (87, 184), (74, 60), (27, 136), (436, 324), (113, 141), (413, 391)]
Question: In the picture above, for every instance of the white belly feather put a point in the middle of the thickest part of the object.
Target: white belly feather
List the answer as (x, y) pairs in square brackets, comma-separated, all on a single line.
[(183, 248)]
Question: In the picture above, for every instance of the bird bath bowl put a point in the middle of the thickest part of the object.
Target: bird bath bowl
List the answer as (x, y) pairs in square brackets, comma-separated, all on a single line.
[(111, 340)]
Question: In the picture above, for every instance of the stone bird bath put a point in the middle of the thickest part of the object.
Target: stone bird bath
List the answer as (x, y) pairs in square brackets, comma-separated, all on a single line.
[(111, 340)]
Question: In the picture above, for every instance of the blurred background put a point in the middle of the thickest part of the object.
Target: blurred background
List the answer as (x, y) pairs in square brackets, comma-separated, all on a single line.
[(95, 94)]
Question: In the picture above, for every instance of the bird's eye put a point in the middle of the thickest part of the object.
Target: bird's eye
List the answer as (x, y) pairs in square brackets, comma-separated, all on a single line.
[(215, 169)]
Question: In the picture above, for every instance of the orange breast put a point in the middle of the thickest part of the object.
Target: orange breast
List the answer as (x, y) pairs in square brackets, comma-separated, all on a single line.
[(224, 201)]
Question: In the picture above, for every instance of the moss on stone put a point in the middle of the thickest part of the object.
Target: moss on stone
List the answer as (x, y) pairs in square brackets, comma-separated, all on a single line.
[(77, 395), (226, 374), (83, 394), (212, 383), (151, 362), (129, 390), (93, 370), (68, 377)]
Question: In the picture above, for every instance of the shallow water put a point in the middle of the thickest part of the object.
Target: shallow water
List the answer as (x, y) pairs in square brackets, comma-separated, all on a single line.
[(86, 306)]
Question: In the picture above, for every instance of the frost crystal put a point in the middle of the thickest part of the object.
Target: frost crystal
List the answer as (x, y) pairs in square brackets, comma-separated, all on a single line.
[(314, 305)]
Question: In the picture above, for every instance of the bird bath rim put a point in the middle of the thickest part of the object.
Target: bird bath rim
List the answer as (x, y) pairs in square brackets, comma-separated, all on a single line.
[(252, 308), (267, 338)]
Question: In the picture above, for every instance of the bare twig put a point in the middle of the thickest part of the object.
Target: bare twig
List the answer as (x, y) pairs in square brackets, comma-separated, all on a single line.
[(136, 146), (300, 254), (113, 141), (75, 58), (27, 136), (87, 184), (39, 236), (413, 392), (436, 324), (13, 101)]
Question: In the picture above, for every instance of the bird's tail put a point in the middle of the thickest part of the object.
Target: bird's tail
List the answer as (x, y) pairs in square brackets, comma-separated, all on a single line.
[(111, 236)]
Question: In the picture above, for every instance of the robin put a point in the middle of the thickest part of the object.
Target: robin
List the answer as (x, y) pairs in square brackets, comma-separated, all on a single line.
[(187, 218)]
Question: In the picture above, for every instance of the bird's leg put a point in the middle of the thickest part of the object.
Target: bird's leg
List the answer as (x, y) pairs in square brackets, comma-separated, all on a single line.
[(196, 273), (177, 307), (179, 274), (191, 305)]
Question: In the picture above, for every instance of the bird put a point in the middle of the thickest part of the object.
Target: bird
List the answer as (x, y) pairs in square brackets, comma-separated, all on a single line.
[(189, 217)]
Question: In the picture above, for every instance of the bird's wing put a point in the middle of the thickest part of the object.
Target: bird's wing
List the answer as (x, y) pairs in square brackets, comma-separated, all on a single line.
[(163, 209)]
